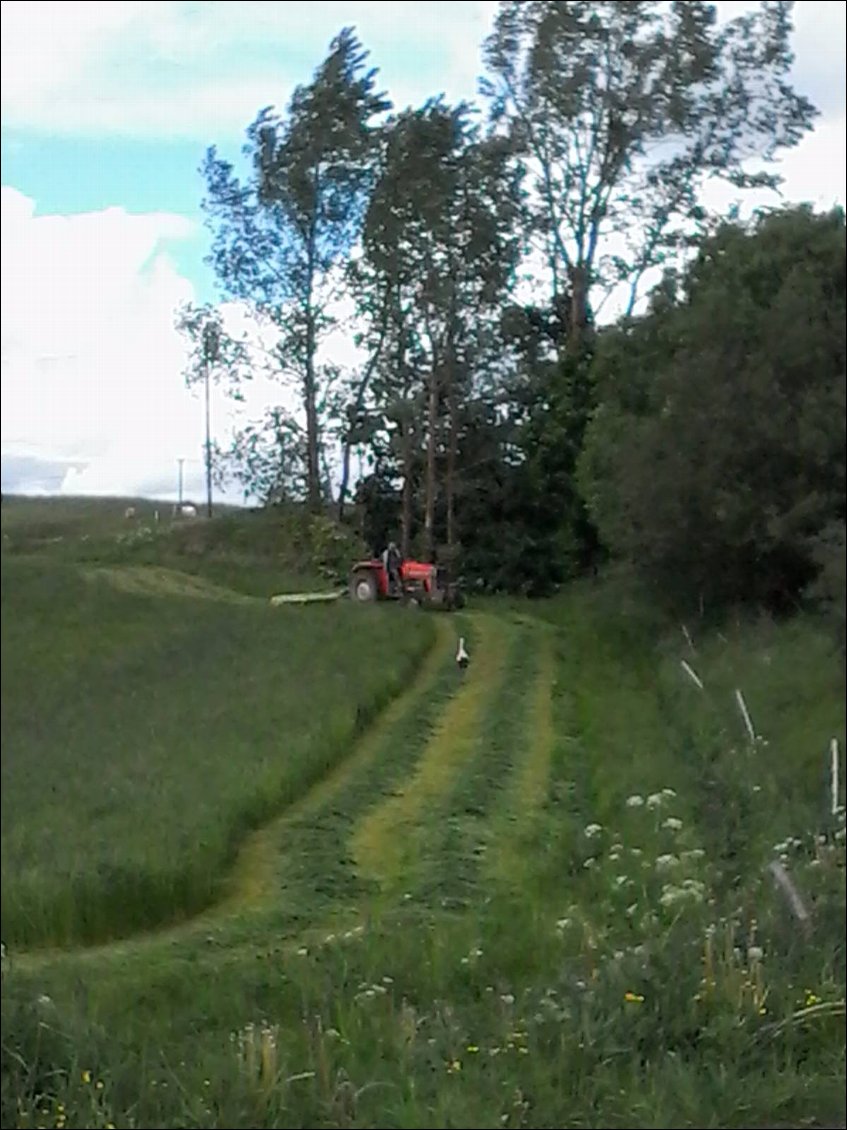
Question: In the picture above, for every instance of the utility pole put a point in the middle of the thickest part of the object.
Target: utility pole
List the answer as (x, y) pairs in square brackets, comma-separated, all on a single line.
[(181, 463), (211, 346)]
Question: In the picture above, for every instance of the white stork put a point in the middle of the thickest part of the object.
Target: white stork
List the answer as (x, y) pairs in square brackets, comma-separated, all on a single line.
[(462, 657)]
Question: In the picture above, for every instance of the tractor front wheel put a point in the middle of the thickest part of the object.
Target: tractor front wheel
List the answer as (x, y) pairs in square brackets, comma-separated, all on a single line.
[(363, 587)]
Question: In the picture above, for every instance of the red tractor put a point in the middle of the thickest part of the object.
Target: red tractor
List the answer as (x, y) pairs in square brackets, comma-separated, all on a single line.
[(419, 584)]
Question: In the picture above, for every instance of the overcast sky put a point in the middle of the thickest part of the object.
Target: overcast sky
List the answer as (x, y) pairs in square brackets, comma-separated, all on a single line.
[(107, 109)]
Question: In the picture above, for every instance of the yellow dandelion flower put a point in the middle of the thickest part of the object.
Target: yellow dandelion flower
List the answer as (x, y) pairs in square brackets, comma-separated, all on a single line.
[(86, 1077), (633, 998), (473, 1049)]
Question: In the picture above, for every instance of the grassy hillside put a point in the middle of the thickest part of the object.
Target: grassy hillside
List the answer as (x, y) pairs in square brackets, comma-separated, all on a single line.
[(257, 553), (144, 732), (531, 896)]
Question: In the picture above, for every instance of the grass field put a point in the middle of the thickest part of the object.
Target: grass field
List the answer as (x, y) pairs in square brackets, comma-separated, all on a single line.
[(531, 896), (129, 709)]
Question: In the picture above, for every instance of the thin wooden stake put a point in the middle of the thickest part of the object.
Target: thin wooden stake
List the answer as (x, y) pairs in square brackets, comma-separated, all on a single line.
[(833, 775), (691, 673), (745, 714), (792, 895)]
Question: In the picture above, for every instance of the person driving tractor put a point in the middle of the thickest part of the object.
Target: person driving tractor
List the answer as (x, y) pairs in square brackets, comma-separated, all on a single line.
[(392, 561)]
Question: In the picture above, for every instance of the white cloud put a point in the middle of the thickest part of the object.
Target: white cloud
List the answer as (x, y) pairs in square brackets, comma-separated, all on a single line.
[(90, 360), (91, 363), (202, 70)]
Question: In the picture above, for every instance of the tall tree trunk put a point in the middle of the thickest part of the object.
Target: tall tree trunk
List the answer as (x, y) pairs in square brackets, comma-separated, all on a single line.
[(431, 443), (579, 309), (406, 512), (357, 409), (313, 467), (310, 391), (450, 485)]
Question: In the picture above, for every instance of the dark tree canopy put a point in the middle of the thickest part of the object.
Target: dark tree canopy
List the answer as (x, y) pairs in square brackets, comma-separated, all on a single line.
[(716, 457)]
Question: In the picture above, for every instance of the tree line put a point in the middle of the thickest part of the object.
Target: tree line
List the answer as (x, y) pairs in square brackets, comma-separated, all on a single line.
[(504, 425)]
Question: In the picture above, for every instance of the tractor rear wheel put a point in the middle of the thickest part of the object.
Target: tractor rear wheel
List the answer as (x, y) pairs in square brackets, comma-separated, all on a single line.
[(363, 587)]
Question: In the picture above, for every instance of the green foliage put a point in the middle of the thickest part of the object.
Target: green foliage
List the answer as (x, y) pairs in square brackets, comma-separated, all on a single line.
[(439, 250), (716, 457)]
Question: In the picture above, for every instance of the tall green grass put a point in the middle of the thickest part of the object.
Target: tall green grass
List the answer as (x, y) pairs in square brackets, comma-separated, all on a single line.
[(143, 736)]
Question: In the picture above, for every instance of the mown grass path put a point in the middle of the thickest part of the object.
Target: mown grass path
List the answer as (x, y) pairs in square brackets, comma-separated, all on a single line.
[(391, 840), (431, 801), (253, 884)]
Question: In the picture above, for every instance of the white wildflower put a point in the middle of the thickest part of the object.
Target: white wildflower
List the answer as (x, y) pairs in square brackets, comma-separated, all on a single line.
[(755, 953), (673, 894), (654, 800), (563, 923), (692, 854), (621, 881), (666, 861), (673, 823), (669, 793), (634, 801), (614, 856), (593, 830), (590, 862)]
